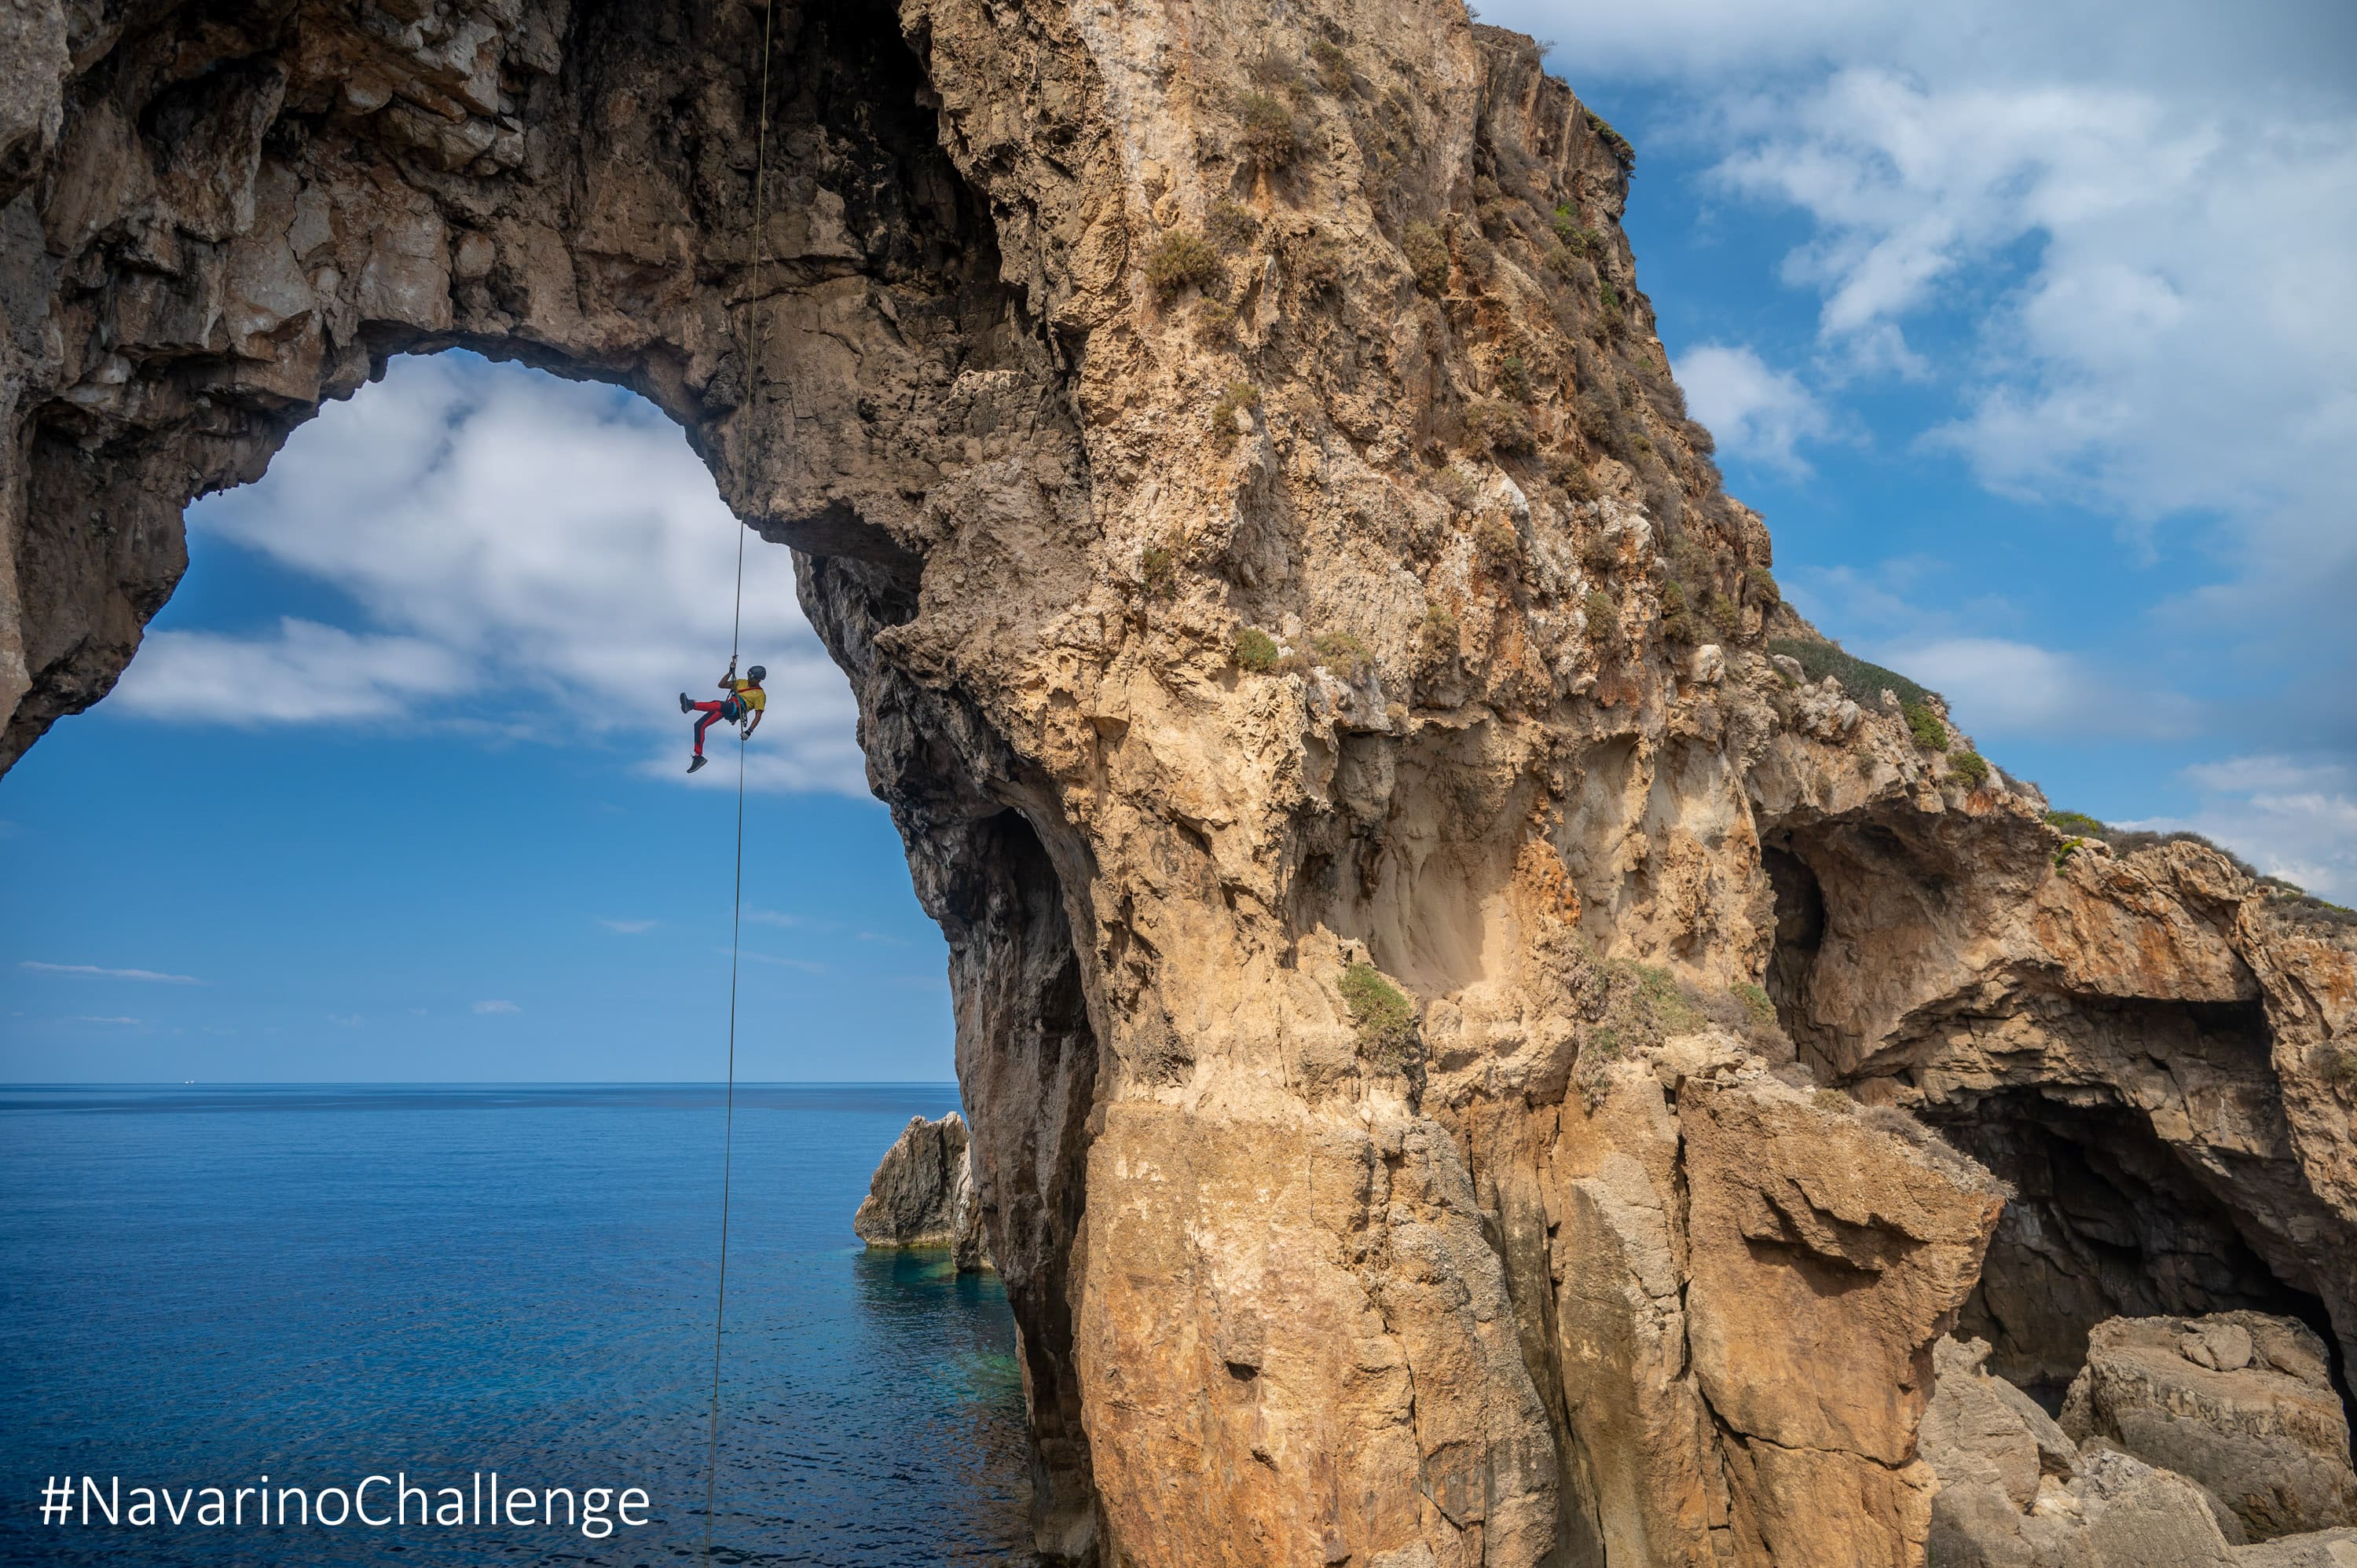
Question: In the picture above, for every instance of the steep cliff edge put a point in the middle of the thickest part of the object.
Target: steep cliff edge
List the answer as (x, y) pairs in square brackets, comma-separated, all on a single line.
[(1440, 1004)]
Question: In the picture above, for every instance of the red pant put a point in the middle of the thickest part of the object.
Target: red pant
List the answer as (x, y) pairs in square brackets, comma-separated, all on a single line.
[(727, 708)]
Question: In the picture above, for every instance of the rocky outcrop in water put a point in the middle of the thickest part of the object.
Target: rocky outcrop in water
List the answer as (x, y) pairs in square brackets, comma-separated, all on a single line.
[(1451, 979), (922, 1194)]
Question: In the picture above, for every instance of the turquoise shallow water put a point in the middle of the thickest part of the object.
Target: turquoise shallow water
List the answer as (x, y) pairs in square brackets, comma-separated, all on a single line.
[(204, 1286)]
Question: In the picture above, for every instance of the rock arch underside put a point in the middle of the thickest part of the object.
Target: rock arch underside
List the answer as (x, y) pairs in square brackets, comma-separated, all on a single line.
[(1598, 1262)]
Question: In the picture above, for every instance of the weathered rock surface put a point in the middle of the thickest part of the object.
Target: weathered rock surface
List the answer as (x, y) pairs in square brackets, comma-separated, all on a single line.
[(1323, 690), (2018, 1491), (922, 1194), (2143, 1045), (2239, 1402)]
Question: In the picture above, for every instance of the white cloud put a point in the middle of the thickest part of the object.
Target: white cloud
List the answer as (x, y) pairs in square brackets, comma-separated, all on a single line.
[(2264, 775), (545, 555), (91, 971), (305, 673), (2000, 688), (792, 921), (805, 965), (497, 1006), (1874, 597), (2292, 819), (628, 928), (1756, 412), (2008, 686)]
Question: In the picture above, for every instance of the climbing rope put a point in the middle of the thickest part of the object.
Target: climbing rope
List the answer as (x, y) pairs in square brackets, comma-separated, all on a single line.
[(735, 633)]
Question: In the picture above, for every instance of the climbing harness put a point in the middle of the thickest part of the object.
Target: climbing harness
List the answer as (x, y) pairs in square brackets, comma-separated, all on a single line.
[(736, 634)]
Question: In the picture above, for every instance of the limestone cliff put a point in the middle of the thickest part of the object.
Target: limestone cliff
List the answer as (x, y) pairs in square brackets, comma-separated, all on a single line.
[(1439, 1002)]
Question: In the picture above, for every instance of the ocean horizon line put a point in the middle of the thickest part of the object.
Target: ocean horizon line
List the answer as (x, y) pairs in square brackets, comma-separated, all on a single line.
[(826, 1096), (340, 1083)]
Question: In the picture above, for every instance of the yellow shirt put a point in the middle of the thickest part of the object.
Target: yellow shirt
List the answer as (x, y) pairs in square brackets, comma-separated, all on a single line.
[(752, 696)]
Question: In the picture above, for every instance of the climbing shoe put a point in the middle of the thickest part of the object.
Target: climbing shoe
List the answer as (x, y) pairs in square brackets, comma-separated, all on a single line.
[(684, 705), (695, 763)]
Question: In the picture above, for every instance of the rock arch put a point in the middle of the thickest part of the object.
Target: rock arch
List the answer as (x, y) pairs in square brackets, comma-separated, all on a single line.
[(1095, 341)]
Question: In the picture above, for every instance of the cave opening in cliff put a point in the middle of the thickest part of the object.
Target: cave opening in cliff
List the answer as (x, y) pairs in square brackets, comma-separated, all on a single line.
[(1799, 933), (2105, 1222)]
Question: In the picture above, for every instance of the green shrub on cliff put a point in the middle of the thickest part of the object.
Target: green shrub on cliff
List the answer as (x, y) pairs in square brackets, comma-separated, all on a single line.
[(1611, 317), (1758, 1006), (1579, 240), (1925, 726), (1231, 227), (1677, 619), (1238, 397), (1637, 1007), (1342, 651), (1427, 256), (1864, 683), (1381, 1013), (1724, 615), (1498, 546), (1255, 650), (1333, 65), (1270, 138), (1663, 1001), (1603, 613), (1181, 260), (1496, 426), (1622, 150), (1969, 766), (1158, 568)]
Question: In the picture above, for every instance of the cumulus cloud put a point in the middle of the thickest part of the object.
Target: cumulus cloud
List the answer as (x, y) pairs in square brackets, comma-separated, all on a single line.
[(1999, 688), (94, 972), (2292, 818), (303, 673), (1756, 412), (542, 556)]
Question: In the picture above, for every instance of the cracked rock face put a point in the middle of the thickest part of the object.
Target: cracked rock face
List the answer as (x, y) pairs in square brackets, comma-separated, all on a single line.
[(1444, 1012)]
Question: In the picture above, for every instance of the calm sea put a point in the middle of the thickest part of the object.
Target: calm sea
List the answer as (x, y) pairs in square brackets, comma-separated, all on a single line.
[(202, 1287)]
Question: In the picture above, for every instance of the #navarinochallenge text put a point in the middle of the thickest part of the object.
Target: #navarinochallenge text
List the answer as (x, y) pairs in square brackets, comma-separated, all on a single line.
[(377, 1502)]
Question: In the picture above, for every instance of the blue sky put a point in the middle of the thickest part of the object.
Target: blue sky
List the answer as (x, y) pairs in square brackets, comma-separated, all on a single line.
[(2027, 327)]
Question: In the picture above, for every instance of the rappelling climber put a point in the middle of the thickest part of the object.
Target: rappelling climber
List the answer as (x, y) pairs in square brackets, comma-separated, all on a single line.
[(745, 701)]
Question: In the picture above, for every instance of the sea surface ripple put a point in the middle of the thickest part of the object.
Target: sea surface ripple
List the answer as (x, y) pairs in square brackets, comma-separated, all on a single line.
[(205, 1286)]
